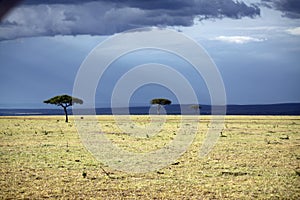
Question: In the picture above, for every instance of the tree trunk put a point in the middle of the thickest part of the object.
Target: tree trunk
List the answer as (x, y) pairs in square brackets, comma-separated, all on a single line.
[(66, 113), (158, 109)]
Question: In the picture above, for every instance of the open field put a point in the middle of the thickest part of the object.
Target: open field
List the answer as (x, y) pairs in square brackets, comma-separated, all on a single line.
[(258, 157)]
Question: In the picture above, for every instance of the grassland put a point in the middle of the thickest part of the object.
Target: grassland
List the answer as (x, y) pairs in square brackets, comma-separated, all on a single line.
[(258, 157)]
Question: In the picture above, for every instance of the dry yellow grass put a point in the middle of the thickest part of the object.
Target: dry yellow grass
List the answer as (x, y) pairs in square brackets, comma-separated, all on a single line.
[(258, 157)]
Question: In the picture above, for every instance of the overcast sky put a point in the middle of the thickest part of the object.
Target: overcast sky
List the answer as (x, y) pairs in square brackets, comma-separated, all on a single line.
[(255, 45)]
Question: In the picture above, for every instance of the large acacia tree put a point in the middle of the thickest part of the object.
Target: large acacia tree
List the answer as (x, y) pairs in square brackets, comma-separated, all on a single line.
[(160, 102), (64, 101)]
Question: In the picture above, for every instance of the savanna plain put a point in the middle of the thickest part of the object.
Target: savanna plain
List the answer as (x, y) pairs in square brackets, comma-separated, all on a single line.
[(255, 157)]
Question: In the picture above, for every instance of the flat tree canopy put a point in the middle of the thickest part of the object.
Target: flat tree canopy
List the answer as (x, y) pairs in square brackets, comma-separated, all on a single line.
[(64, 101), (161, 101)]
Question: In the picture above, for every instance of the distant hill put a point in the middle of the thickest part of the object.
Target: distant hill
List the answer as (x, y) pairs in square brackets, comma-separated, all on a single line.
[(267, 109), (175, 109)]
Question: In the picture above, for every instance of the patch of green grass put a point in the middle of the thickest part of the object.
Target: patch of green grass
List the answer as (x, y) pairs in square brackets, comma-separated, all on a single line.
[(43, 157)]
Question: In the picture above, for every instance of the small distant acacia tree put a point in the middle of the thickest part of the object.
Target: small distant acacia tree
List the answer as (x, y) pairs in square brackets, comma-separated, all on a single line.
[(160, 102), (196, 107), (64, 101)]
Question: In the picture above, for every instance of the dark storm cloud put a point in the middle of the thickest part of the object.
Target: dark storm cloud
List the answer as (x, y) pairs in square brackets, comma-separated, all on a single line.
[(290, 8), (35, 2), (211, 8), (72, 17)]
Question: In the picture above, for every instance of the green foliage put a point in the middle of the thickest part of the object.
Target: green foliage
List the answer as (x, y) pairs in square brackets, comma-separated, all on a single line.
[(64, 101), (161, 101)]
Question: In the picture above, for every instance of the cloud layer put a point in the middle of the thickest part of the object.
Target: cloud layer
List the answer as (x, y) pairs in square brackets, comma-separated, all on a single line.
[(72, 17), (294, 31), (238, 39)]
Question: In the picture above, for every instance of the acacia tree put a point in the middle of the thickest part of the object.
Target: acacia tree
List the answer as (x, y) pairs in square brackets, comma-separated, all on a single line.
[(160, 102), (196, 107), (64, 101)]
